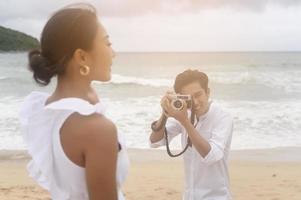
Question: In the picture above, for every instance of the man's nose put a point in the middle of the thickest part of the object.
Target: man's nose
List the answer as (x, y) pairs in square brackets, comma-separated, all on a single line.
[(194, 100)]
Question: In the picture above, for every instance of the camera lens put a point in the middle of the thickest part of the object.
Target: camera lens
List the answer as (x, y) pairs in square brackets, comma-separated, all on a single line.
[(178, 104)]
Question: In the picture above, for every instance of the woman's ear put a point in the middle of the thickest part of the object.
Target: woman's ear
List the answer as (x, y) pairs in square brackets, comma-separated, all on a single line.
[(80, 56)]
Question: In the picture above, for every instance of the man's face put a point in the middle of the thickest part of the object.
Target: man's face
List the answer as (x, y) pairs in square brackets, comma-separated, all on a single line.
[(199, 95)]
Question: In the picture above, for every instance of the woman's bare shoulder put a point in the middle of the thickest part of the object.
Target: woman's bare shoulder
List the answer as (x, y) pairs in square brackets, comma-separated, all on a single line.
[(94, 129)]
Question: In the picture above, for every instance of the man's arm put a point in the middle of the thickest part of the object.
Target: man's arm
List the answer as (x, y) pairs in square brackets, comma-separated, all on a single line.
[(157, 136), (213, 150), (201, 145), (173, 128)]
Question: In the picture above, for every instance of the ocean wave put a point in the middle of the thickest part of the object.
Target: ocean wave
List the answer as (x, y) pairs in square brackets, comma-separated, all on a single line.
[(265, 124), (261, 124), (120, 80), (289, 81), (257, 124), (3, 78)]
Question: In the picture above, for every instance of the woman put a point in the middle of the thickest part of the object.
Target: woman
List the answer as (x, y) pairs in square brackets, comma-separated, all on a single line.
[(76, 151)]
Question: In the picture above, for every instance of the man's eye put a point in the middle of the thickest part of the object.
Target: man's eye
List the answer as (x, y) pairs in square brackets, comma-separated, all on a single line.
[(198, 95)]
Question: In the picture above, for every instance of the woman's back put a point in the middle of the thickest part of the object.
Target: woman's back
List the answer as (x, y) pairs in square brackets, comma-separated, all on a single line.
[(50, 166)]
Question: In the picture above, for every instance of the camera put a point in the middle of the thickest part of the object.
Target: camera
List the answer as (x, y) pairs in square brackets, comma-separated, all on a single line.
[(177, 102)]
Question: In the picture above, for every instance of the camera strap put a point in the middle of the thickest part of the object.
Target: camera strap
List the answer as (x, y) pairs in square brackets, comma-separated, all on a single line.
[(192, 120)]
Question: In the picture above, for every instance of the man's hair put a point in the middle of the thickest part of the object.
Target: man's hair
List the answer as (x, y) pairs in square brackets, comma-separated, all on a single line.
[(190, 76)]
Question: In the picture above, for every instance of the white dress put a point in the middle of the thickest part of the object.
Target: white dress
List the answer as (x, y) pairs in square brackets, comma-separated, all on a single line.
[(50, 167)]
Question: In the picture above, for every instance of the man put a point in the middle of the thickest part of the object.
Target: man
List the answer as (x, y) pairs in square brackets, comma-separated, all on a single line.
[(206, 160)]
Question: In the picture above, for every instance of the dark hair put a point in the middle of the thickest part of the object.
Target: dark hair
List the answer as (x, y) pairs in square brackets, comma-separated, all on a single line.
[(70, 28), (190, 76)]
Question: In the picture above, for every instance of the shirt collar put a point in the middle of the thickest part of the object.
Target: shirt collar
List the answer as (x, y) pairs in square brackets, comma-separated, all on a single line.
[(202, 117)]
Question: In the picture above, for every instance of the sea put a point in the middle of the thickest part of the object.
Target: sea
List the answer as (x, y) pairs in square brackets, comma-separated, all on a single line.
[(261, 90)]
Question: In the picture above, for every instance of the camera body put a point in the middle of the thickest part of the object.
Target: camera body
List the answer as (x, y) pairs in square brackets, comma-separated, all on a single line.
[(177, 102)]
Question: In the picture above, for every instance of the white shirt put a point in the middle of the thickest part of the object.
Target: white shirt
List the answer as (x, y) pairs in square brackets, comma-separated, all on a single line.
[(50, 167), (205, 178)]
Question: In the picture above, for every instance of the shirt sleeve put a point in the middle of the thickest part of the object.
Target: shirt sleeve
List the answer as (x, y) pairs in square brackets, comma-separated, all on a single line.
[(173, 128), (221, 137)]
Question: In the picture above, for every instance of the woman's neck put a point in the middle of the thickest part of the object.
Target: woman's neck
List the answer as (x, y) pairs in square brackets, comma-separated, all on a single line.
[(71, 87)]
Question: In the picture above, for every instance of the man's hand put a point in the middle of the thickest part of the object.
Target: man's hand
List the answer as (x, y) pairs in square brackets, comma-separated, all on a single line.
[(164, 101), (179, 115)]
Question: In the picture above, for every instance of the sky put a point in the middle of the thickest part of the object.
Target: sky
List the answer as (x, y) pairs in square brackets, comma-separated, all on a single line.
[(177, 25)]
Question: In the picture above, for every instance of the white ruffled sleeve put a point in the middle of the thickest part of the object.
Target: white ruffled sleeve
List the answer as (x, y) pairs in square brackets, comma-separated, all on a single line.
[(38, 141)]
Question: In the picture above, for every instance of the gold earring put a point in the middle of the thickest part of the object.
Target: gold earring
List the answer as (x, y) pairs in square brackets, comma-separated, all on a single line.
[(84, 70)]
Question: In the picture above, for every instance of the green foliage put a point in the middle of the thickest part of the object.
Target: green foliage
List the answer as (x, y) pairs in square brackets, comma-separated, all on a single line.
[(11, 40)]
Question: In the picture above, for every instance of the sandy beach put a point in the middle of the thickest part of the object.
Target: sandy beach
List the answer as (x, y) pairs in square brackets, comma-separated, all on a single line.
[(267, 174)]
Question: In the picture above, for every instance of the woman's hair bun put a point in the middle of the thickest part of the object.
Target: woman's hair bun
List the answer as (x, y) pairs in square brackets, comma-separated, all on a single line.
[(41, 67)]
